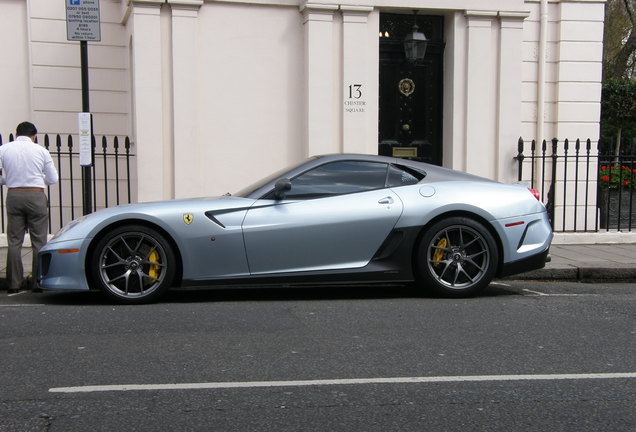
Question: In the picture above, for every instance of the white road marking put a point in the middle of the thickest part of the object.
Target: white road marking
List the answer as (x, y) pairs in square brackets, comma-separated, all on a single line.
[(352, 381), (21, 305), (542, 294), (535, 292)]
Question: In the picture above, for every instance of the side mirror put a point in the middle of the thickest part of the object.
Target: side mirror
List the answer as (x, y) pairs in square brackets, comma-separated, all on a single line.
[(281, 187)]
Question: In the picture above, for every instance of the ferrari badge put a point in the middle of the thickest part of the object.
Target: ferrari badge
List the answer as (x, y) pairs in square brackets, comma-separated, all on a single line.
[(188, 218)]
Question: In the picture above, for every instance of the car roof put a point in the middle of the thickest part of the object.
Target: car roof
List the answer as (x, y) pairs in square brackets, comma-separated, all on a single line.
[(433, 172)]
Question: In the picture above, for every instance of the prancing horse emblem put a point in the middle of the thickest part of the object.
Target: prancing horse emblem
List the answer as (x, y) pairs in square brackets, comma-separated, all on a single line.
[(188, 218)]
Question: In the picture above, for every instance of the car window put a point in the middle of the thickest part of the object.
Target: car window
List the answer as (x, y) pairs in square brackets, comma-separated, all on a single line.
[(403, 176), (246, 192), (337, 178)]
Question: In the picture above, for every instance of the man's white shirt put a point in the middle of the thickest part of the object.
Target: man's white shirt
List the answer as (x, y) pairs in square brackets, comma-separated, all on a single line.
[(26, 164)]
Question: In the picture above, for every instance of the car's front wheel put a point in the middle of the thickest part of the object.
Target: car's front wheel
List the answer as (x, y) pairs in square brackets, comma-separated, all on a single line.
[(457, 257), (133, 264)]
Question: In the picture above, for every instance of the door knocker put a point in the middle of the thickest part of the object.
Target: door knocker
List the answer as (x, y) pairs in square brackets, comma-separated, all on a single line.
[(406, 86)]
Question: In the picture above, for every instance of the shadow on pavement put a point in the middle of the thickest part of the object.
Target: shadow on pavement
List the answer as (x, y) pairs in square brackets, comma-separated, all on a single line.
[(309, 293)]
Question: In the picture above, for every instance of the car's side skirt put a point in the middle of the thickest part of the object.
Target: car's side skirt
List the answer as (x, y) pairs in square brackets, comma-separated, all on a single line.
[(392, 263)]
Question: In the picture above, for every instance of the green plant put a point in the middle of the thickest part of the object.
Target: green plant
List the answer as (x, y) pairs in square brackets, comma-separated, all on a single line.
[(617, 177), (618, 109)]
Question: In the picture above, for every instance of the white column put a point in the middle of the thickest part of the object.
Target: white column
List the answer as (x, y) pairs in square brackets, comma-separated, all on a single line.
[(187, 152), (480, 109), (579, 55), (319, 74), (357, 91), (509, 94), (147, 95)]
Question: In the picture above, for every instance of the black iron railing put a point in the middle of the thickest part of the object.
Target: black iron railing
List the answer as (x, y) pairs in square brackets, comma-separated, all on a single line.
[(572, 180), (112, 177)]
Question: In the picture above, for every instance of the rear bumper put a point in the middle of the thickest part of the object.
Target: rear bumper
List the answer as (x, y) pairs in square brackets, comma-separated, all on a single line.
[(533, 262)]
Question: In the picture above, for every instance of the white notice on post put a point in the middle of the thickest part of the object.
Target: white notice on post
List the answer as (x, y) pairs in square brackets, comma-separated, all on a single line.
[(85, 133)]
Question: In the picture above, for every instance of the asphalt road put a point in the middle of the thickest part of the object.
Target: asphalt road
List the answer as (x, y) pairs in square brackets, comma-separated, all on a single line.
[(526, 356)]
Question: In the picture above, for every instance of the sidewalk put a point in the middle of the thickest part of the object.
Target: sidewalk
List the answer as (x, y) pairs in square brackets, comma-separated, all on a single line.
[(587, 263), (27, 256), (569, 262)]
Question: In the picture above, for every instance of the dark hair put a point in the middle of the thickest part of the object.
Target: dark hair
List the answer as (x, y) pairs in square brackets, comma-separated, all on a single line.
[(26, 129)]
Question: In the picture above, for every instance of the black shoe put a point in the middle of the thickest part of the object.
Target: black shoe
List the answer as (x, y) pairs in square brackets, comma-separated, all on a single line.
[(36, 290), (13, 291)]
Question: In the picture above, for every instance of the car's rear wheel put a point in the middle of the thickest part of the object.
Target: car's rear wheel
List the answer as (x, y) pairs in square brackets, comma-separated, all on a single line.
[(133, 264), (457, 257)]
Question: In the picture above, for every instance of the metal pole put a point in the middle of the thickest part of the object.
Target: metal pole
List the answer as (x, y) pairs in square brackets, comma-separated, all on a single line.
[(86, 170)]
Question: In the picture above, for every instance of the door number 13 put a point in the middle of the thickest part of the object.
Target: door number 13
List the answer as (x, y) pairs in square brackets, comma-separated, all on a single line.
[(355, 91)]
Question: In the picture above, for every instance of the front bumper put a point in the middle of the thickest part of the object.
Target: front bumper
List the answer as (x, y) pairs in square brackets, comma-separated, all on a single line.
[(61, 266)]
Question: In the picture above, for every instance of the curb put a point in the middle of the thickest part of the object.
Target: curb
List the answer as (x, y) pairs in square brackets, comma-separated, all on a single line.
[(588, 274)]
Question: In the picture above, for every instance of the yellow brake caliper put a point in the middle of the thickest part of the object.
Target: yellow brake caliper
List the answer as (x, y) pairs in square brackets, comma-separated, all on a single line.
[(153, 271), (439, 252)]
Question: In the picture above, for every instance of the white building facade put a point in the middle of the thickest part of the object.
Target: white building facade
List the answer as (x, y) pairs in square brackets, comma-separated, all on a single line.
[(216, 94)]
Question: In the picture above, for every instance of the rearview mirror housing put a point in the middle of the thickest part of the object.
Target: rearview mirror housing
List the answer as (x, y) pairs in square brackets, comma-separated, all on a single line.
[(281, 187)]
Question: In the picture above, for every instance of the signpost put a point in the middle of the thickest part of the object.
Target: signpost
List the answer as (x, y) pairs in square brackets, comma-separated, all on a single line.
[(83, 25)]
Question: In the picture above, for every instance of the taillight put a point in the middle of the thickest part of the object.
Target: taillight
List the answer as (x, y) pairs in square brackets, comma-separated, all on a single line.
[(535, 193)]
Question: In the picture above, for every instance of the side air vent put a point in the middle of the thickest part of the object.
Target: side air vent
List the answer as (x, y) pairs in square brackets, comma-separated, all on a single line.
[(210, 216)]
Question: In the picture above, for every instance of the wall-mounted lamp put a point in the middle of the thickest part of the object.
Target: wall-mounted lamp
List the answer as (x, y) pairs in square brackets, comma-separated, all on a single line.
[(415, 43)]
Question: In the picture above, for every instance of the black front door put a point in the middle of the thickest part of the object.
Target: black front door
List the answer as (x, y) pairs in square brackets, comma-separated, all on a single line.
[(411, 94)]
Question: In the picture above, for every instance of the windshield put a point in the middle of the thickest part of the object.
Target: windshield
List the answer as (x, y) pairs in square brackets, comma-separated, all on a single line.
[(247, 191)]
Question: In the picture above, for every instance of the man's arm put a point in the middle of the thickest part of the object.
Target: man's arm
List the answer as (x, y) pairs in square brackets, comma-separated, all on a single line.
[(50, 172)]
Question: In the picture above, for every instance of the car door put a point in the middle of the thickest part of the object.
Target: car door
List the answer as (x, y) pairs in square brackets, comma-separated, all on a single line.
[(335, 216)]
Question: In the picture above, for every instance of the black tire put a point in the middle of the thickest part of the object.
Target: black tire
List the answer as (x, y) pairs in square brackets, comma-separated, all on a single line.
[(457, 257), (132, 264)]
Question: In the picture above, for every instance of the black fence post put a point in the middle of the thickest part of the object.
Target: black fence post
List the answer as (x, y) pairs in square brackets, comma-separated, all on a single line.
[(566, 146), (577, 149), (127, 147), (70, 170), (104, 155), (2, 195), (58, 146), (520, 158), (552, 190), (48, 187)]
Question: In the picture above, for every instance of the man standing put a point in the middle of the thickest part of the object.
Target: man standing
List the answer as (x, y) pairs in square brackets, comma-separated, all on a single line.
[(26, 170)]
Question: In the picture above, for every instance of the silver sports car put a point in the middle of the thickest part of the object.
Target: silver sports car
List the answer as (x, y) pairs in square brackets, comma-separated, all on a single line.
[(330, 219)]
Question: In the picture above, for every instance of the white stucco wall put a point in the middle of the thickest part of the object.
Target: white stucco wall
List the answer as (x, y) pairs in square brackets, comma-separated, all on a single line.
[(250, 97), (571, 96), (15, 85), (41, 69), (573, 64)]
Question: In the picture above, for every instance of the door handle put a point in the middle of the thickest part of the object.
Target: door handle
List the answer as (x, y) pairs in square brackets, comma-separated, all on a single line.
[(386, 200)]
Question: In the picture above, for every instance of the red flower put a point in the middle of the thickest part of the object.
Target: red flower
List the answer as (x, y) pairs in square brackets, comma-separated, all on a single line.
[(605, 178), (625, 183), (603, 168)]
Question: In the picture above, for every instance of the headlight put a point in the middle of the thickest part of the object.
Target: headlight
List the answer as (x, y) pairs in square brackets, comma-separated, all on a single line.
[(68, 226)]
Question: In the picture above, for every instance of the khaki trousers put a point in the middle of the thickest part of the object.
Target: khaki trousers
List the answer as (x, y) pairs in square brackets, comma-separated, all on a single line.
[(26, 210)]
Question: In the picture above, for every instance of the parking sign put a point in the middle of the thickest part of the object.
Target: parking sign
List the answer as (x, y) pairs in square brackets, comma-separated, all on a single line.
[(82, 20)]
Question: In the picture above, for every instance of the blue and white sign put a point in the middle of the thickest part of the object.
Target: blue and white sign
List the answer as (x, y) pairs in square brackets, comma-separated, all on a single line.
[(82, 20)]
